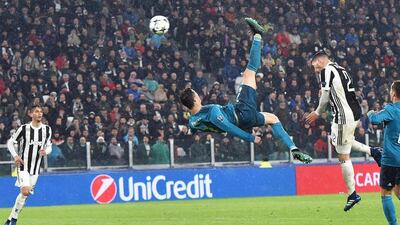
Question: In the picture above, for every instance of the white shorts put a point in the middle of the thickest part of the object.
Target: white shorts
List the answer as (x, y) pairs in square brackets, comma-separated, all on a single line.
[(24, 179), (343, 136)]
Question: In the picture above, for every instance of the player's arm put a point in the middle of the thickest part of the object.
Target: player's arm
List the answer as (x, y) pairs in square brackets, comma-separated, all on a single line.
[(17, 136), (323, 102), (378, 117), (326, 84), (218, 119), (47, 145)]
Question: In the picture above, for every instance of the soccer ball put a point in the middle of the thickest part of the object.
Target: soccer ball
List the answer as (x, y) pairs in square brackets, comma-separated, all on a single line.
[(159, 25)]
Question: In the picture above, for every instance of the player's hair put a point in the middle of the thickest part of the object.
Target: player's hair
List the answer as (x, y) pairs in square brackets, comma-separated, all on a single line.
[(318, 54), (396, 88), (187, 98), (32, 107)]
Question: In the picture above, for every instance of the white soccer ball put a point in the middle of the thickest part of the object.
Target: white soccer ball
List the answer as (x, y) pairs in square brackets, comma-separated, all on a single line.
[(159, 25)]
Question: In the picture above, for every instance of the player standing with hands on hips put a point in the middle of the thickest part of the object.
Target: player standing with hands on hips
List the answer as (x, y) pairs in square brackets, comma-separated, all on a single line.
[(390, 169), (34, 141), (239, 119), (337, 88)]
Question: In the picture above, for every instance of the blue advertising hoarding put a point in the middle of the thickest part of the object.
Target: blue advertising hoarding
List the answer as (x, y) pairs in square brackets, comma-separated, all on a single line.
[(154, 185)]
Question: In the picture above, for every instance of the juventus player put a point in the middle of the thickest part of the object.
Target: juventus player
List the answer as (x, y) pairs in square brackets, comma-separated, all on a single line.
[(34, 141), (337, 88)]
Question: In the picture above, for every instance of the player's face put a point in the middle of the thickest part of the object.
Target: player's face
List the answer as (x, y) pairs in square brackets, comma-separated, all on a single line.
[(37, 114), (317, 64), (197, 98), (392, 94)]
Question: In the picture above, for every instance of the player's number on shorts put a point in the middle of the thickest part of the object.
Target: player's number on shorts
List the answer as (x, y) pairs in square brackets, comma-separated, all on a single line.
[(350, 87)]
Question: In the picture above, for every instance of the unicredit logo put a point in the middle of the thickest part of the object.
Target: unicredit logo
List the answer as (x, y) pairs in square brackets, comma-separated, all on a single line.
[(103, 189), (159, 187)]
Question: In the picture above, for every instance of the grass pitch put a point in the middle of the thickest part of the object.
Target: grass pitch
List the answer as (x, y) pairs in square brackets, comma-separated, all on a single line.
[(294, 210)]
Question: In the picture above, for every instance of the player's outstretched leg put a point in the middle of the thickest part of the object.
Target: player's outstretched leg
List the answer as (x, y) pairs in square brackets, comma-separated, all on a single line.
[(249, 75), (254, 26), (249, 79), (279, 132), (375, 152)]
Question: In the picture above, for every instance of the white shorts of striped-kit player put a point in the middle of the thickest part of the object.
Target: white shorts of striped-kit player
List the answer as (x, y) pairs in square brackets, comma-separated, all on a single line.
[(343, 136), (24, 179)]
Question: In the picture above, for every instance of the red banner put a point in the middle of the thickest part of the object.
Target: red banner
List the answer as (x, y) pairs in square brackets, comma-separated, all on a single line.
[(328, 179)]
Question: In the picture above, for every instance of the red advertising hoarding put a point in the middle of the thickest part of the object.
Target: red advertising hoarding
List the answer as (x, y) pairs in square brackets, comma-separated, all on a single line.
[(327, 179)]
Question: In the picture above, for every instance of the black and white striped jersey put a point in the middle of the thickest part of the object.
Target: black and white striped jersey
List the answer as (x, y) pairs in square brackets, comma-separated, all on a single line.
[(30, 140), (343, 101)]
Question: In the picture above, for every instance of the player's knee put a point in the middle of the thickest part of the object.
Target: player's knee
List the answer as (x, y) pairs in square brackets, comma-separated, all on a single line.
[(343, 157), (25, 191), (271, 118), (386, 192), (274, 119)]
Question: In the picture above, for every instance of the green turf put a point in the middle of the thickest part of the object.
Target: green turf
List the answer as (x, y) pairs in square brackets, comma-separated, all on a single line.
[(303, 210)]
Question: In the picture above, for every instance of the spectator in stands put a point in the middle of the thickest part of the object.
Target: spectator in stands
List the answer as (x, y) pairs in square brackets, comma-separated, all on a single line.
[(115, 150), (240, 150), (223, 154), (100, 149), (198, 150), (143, 151), (321, 146), (68, 149), (81, 151), (159, 152), (267, 147)]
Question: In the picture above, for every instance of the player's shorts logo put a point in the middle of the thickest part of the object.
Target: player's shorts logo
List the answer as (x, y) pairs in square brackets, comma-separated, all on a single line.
[(103, 189)]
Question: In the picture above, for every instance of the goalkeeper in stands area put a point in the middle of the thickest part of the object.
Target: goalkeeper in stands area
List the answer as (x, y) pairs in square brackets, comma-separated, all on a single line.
[(238, 119)]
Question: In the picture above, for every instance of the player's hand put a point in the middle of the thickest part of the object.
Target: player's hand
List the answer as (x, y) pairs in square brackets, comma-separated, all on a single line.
[(18, 160), (42, 152), (257, 140), (311, 117)]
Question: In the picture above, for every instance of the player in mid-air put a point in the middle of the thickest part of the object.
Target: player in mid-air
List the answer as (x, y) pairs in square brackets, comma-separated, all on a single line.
[(390, 168), (34, 141), (238, 119), (337, 88)]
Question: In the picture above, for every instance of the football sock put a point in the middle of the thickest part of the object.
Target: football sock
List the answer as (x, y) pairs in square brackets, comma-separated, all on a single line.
[(279, 132), (389, 210), (255, 54), (360, 147), (348, 175), (19, 203)]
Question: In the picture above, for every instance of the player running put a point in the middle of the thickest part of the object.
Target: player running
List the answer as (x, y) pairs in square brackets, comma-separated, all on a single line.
[(337, 88), (390, 169), (34, 141), (238, 119)]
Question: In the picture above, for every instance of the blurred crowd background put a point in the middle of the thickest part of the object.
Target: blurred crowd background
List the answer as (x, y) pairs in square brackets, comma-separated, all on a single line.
[(105, 79)]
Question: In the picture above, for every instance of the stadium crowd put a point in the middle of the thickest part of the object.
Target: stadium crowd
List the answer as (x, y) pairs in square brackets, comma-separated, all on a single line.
[(105, 79)]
